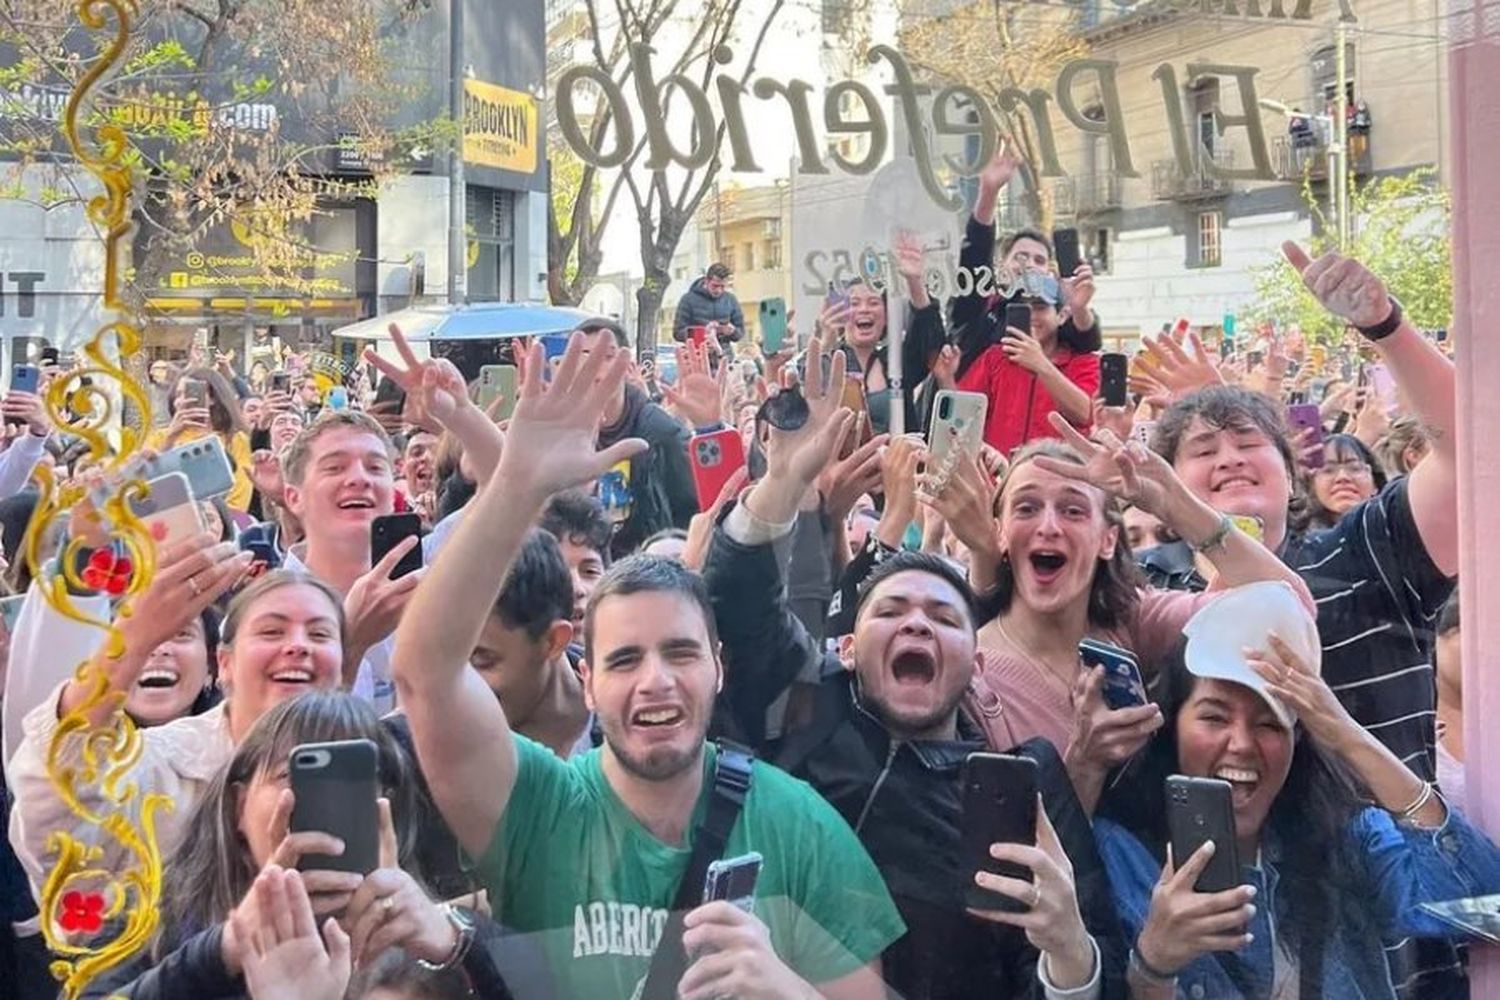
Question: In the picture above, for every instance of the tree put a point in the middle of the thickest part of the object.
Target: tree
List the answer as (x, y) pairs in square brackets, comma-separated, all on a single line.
[(1000, 48), (1402, 233), (235, 111)]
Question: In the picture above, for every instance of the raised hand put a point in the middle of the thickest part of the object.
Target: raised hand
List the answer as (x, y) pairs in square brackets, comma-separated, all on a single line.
[(1129, 471), (1052, 921), (904, 458), (391, 910), (278, 944), (1184, 924), (554, 429), (945, 367), (1303, 690), (27, 409), (1343, 285), (803, 453), (1025, 350), (374, 605), (435, 391), (699, 394), (1179, 369), (843, 484), (1001, 168), (1078, 289), (966, 500)]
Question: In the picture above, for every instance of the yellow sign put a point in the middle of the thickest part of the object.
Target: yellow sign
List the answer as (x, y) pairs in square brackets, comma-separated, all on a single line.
[(500, 127)]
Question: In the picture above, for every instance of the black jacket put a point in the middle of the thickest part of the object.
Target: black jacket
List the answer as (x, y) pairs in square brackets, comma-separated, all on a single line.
[(902, 798), (661, 480), (698, 308)]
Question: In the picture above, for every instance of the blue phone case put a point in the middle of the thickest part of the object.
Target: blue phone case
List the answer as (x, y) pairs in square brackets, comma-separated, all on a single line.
[(1123, 686)]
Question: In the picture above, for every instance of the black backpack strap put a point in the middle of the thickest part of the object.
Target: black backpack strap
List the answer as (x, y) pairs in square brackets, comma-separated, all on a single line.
[(731, 786)]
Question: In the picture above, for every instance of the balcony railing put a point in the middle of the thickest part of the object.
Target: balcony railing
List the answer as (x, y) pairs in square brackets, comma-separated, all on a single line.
[(1169, 182), (1289, 161), (1086, 194)]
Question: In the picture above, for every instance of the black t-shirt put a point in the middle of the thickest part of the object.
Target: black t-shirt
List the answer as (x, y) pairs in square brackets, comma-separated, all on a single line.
[(1378, 595)]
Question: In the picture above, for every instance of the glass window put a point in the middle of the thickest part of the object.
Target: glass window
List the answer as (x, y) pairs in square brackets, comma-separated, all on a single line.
[(1209, 249)]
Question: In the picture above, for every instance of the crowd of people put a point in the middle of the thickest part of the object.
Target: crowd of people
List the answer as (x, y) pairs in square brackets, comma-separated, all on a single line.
[(616, 668)]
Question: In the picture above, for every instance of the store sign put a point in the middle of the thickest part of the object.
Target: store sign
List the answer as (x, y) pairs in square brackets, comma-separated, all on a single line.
[(500, 127), (259, 255), (18, 295), (146, 112)]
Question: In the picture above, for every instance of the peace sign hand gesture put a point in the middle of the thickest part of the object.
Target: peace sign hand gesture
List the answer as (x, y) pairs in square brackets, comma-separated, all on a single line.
[(1131, 472), (435, 391)]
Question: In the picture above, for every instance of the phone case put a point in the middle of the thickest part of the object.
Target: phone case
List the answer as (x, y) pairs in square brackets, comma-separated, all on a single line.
[(957, 430), (999, 806), (861, 431), (1198, 810), (498, 381), (715, 457), (1301, 417), (196, 392), (386, 532), (772, 324), (1123, 686), (25, 378), (1114, 377), (732, 880), (1065, 246), (169, 510), (336, 787), (1018, 315), (202, 460)]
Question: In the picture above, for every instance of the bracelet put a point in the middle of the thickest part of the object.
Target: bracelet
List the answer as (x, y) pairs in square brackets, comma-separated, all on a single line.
[(464, 928), (1153, 976), (1423, 797), (1387, 326), (1217, 539)]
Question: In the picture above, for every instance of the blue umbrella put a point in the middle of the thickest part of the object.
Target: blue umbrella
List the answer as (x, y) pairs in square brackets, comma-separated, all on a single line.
[(477, 321)]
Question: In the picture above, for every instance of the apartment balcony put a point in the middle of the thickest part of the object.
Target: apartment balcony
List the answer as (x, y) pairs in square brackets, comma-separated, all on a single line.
[(1291, 163), (1085, 194), (1169, 182)]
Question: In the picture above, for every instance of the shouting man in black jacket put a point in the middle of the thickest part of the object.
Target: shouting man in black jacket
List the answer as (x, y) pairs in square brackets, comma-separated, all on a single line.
[(653, 490), (888, 741)]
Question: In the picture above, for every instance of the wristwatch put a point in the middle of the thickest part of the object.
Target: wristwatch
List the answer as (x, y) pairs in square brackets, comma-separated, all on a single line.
[(463, 927), (1387, 326)]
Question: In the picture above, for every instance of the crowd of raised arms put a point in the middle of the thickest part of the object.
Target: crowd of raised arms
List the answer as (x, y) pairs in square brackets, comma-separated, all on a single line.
[(716, 688)]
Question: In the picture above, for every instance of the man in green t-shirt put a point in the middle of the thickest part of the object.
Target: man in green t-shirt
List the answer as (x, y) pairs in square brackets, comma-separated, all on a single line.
[(586, 855)]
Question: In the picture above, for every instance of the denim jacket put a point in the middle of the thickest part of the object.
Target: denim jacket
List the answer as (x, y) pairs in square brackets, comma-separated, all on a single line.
[(1394, 869)]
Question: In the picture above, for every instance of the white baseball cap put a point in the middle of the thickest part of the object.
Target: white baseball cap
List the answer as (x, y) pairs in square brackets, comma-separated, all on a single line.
[(1244, 618)]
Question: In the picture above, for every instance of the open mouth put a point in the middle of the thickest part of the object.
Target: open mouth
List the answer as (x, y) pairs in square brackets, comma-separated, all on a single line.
[(1242, 781), (1235, 484), (657, 718), (158, 679), (357, 503), (1047, 565), (297, 676), (913, 666)]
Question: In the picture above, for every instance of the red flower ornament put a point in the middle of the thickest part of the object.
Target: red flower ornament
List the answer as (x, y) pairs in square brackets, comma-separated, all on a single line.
[(108, 572), (82, 911)]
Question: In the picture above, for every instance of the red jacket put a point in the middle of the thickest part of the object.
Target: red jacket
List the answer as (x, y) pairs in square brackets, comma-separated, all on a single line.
[(1019, 403)]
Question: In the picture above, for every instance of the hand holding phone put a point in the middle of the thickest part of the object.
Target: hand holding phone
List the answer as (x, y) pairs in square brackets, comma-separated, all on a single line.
[(999, 807), (1123, 685), (1114, 377), (336, 790), (1017, 317), (1201, 810), (389, 530), (732, 881)]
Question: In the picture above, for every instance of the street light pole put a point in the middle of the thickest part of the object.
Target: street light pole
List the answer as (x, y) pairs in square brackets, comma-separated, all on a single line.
[(458, 267)]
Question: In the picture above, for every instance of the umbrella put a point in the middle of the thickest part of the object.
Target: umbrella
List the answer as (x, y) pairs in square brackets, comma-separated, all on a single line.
[(476, 321)]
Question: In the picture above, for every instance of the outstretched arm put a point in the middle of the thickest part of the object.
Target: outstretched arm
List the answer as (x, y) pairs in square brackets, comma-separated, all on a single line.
[(462, 737)]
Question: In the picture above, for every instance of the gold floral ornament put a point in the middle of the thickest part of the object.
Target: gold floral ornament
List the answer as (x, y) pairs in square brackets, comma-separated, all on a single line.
[(99, 900)]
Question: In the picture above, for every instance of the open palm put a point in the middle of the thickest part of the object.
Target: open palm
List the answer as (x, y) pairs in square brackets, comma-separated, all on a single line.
[(807, 451), (1131, 472), (551, 445)]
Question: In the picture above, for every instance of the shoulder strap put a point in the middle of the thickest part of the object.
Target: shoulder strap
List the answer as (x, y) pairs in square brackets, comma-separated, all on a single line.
[(732, 773)]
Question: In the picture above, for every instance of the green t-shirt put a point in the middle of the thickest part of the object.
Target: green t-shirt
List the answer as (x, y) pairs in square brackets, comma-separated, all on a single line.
[(570, 867)]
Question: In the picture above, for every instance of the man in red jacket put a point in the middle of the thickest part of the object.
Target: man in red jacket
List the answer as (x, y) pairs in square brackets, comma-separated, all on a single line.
[(1029, 374)]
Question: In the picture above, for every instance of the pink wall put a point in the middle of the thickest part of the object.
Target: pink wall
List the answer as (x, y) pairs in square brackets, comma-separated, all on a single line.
[(1474, 92)]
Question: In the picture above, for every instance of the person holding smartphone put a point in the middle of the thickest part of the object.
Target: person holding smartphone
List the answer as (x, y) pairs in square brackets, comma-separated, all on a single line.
[(201, 402), (1327, 876), (27, 412), (709, 303)]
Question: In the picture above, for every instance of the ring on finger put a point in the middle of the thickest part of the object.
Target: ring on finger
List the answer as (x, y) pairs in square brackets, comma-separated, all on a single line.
[(192, 582), (387, 904), (1036, 895)]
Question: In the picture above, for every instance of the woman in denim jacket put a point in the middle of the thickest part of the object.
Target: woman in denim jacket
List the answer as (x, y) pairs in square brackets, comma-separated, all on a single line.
[(1327, 877)]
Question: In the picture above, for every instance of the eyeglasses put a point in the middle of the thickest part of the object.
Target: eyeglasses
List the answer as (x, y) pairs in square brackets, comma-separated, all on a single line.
[(1353, 467)]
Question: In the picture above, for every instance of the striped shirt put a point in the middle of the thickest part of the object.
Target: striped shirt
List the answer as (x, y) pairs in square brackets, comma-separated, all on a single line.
[(1378, 595)]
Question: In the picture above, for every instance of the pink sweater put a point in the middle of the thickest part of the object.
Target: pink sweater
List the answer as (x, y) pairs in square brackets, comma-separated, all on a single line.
[(1015, 700)]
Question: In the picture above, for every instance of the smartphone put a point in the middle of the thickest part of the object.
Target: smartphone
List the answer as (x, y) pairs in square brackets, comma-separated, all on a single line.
[(169, 510), (196, 392), (1065, 246), (25, 378), (50, 355), (957, 428), (772, 324), (1142, 432), (338, 398), (336, 788), (282, 382), (1018, 316), (1302, 417), (498, 382), (203, 461), (862, 431), (999, 807), (1383, 384), (698, 335), (389, 530), (1123, 685), (1114, 379), (1199, 810), (1255, 359), (836, 296), (715, 457), (732, 880)]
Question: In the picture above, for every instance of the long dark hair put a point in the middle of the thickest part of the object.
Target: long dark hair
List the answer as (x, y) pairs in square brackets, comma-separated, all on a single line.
[(212, 868), (1308, 818), (1344, 447), (1114, 592)]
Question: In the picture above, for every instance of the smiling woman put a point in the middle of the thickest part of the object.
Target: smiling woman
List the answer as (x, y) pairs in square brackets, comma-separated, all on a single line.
[(181, 675)]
